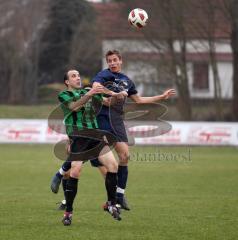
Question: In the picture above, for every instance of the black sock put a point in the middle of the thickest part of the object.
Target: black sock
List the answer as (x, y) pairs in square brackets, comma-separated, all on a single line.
[(70, 193), (111, 185), (64, 183), (66, 166), (122, 175)]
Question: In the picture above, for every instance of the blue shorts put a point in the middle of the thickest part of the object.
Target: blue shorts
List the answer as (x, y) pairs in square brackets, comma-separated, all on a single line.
[(115, 126), (117, 129)]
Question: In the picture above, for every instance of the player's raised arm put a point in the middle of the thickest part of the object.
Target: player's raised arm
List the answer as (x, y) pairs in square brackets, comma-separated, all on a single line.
[(75, 106), (109, 92), (168, 93)]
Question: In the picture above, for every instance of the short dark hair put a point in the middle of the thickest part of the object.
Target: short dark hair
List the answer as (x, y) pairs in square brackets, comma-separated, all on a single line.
[(66, 77), (111, 52)]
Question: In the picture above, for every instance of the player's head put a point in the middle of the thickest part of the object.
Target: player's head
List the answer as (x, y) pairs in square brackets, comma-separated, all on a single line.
[(72, 79), (114, 60)]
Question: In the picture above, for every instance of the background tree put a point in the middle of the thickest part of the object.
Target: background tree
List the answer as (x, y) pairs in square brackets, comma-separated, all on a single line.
[(230, 10), (234, 44), (85, 51), (59, 37), (172, 24), (206, 27), (170, 41), (18, 58)]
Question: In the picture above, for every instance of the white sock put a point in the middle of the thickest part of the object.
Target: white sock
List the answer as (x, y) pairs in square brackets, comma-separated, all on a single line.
[(61, 171), (120, 190)]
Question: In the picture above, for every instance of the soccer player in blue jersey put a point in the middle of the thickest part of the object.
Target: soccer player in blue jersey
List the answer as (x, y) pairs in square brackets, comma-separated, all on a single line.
[(111, 118)]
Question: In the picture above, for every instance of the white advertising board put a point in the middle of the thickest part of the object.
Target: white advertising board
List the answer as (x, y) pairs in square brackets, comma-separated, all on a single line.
[(144, 133)]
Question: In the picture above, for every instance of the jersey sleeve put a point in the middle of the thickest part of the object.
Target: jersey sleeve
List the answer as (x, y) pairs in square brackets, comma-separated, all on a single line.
[(65, 97), (132, 89), (97, 103), (99, 78), (98, 97)]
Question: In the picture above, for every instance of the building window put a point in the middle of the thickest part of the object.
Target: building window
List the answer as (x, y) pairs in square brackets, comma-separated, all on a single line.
[(200, 76)]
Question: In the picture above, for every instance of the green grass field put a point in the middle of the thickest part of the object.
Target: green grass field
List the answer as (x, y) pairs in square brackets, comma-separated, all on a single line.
[(173, 198)]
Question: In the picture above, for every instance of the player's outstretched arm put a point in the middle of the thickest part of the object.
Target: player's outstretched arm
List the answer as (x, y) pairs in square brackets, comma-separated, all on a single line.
[(168, 93), (111, 93), (110, 101)]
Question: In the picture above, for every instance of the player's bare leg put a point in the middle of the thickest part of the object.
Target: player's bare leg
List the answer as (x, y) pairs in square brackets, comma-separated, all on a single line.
[(103, 171)]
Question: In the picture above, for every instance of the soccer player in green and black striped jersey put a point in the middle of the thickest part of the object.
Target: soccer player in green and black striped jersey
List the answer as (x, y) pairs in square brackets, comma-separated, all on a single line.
[(81, 127), (85, 117)]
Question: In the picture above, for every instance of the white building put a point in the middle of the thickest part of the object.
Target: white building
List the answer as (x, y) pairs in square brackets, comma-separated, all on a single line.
[(140, 57)]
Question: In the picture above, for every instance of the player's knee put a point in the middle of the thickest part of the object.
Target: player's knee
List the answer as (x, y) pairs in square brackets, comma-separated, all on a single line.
[(74, 174), (75, 171), (124, 158), (112, 166)]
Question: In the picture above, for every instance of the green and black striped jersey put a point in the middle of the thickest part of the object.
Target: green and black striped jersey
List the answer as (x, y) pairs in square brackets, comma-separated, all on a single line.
[(85, 117)]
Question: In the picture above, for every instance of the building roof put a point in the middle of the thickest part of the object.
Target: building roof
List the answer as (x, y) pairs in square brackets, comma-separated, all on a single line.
[(112, 19), (113, 22)]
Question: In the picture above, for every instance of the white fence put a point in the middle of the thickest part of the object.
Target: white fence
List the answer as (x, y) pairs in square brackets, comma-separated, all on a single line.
[(182, 133)]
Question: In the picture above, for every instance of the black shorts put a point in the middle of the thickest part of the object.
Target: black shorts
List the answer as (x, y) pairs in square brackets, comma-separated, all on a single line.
[(83, 149), (96, 163), (88, 144)]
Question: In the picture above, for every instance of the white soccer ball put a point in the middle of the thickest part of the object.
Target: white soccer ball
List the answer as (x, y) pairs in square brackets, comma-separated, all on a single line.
[(138, 18)]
